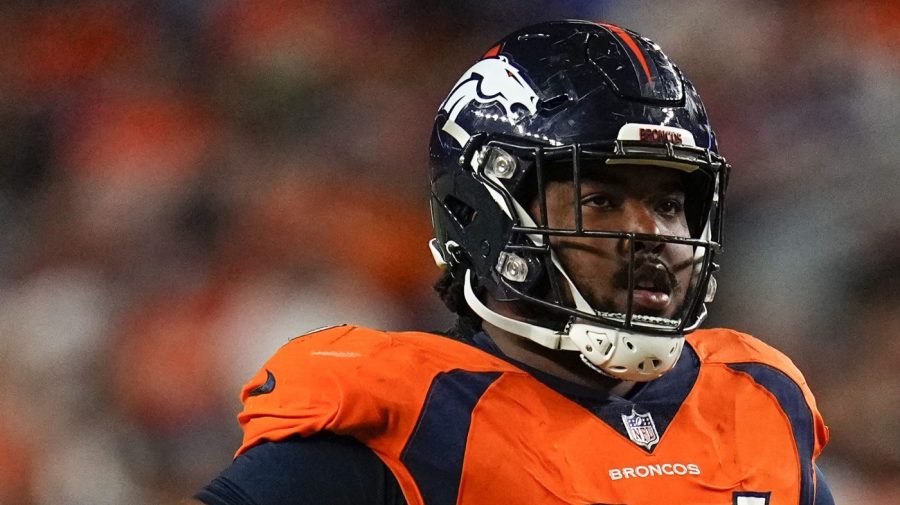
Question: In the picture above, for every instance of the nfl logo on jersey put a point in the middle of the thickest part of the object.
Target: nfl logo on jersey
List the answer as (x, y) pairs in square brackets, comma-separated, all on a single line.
[(641, 429)]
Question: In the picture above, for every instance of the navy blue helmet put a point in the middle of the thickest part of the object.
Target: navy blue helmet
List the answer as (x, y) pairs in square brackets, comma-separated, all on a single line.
[(549, 102)]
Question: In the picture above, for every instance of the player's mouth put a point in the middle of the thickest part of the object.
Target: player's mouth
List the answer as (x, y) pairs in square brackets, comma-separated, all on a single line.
[(650, 299), (653, 288)]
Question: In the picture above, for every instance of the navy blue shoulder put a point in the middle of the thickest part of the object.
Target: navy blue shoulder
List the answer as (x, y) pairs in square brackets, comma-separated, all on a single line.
[(324, 468), (793, 404)]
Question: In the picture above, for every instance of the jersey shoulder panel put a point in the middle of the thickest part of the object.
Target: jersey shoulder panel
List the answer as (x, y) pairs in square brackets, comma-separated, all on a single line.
[(726, 346), (743, 353), (350, 379)]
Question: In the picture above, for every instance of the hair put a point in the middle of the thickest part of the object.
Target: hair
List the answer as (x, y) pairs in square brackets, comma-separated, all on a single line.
[(450, 289)]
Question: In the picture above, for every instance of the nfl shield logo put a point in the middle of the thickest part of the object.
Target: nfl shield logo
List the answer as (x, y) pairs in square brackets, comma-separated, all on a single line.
[(641, 429)]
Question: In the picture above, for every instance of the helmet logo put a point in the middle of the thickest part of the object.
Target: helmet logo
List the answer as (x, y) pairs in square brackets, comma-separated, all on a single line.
[(491, 80)]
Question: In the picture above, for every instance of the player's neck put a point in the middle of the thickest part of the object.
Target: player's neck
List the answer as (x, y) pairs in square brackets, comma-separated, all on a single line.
[(565, 365)]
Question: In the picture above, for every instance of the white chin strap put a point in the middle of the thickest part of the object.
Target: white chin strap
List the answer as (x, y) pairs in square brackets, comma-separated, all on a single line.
[(615, 352)]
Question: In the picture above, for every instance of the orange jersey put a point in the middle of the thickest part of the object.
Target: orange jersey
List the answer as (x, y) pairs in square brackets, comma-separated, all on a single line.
[(732, 423)]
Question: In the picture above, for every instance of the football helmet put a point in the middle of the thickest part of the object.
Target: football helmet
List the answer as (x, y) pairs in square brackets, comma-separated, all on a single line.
[(549, 102)]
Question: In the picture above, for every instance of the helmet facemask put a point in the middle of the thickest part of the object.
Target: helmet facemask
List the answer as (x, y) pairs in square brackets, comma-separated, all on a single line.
[(555, 306)]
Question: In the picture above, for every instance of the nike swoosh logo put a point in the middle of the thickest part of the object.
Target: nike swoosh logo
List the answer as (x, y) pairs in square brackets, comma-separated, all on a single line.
[(266, 387)]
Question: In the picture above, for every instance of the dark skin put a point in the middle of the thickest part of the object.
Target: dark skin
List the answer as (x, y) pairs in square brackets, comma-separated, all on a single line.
[(630, 198)]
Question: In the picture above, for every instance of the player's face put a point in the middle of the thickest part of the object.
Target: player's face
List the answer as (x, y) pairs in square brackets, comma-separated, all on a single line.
[(625, 198)]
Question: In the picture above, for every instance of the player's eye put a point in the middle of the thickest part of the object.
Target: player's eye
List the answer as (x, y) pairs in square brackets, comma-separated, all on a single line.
[(599, 201), (671, 206)]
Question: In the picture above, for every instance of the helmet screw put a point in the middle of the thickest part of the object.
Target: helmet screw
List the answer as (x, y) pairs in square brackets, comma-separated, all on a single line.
[(501, 164), (588, 348), (513, 268), (485, 248)]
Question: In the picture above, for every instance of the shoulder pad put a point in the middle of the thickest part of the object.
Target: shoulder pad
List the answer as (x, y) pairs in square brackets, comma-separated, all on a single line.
[(348, 379), (735, 349), (721, 345)]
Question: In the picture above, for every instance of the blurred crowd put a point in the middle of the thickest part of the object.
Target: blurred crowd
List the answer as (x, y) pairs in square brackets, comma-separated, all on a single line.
[(185, 184)]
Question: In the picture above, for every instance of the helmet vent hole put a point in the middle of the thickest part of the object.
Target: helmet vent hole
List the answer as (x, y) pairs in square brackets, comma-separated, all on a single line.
[(651, 364), (462, 212), (554, 102), (629, 345), (526, 36), (518, 111)]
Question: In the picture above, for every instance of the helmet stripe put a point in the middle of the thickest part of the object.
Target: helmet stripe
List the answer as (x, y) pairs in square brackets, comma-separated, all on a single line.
[(629, 41)]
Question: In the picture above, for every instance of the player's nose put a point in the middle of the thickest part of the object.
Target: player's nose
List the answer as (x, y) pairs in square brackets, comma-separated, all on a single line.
[(640, 219)]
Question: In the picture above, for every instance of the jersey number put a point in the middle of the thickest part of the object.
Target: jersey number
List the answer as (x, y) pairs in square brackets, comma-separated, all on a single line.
[(750, 498)]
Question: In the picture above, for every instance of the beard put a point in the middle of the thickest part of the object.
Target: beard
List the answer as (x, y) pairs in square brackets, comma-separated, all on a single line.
[(649, 274)]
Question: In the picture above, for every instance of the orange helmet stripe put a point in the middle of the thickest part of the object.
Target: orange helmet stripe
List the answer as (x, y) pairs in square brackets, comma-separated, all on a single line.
[(629, 41)]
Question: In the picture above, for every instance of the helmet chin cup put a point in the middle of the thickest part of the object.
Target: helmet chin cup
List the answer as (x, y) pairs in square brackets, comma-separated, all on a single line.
[(624, 355), (615, 352)]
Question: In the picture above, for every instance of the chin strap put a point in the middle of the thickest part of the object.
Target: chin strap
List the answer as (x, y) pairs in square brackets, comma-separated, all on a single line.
[(615, 352), (543, 336)]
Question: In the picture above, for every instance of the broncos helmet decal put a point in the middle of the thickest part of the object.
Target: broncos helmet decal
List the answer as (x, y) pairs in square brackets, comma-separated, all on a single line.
[(491, 80)]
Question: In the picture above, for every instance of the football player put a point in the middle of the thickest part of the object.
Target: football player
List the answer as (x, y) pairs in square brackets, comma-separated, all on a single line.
[(577, 195)]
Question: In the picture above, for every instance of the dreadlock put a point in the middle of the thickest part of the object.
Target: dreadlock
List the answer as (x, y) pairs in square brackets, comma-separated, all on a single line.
[(450, 289)]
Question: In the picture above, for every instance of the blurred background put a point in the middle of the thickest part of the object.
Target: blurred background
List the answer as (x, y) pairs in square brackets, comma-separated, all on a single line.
[(184, 184)]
